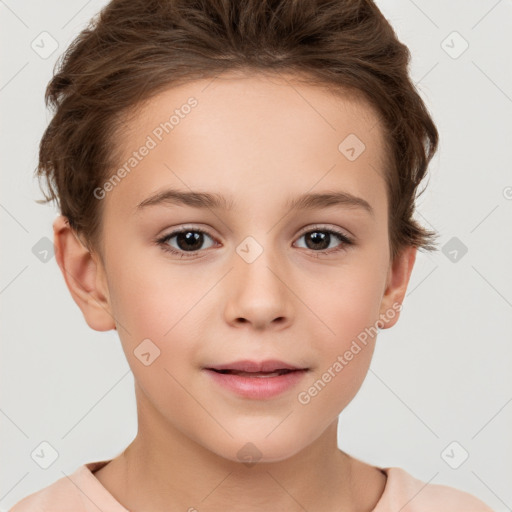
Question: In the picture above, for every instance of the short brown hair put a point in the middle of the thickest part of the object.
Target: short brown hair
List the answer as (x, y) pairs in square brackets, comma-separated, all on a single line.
[(134, 49)]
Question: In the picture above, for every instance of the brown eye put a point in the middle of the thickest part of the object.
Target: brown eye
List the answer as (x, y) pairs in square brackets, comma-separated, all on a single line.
[(184, 241), (189, 240), (322, 240), (318, 240)]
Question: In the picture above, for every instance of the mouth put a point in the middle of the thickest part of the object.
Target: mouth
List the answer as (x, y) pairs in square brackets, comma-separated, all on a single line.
[(257, 380), (275, 373), (269, 366)]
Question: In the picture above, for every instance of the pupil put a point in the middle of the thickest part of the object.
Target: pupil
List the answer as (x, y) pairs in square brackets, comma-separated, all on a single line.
[(191, 240), (318, 238)]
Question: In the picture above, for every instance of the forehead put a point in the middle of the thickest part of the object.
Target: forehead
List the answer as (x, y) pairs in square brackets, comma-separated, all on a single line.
[(238, 133)]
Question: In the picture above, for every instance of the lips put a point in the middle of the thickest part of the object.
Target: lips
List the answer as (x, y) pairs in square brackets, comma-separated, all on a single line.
[(256, 380), (246, 368), (253, 374)]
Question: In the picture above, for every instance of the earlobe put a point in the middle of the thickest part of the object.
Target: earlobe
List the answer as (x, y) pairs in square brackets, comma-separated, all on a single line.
[(81, 271), (396, 286)]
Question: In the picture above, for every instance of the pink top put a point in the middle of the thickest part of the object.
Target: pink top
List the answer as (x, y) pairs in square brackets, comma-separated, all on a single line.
[(82, 492)]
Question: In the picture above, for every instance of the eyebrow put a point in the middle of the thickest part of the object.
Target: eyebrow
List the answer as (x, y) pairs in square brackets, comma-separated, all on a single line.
[(195, 199), (327, 199), (309, 201)]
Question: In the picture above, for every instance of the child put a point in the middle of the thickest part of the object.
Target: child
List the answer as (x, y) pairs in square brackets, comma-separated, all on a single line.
[(254, 132)]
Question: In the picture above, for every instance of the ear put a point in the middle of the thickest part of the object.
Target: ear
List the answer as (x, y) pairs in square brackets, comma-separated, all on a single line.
[(396, 285), (84, 275)]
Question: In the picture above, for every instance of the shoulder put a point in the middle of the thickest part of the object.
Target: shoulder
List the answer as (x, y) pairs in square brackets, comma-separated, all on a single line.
[(79, 492), (61, 495), (405, 493)]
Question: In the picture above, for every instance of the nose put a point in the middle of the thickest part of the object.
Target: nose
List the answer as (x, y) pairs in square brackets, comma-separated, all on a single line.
[(258, 295)]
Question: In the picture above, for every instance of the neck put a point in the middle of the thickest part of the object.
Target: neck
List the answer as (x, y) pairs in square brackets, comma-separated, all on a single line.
[(162, 469)]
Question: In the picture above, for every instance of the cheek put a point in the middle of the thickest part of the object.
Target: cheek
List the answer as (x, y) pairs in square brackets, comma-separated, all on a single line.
[(158, 308), (330, 390), (348, 310), (152, 299), (343, 362), (346, 302)]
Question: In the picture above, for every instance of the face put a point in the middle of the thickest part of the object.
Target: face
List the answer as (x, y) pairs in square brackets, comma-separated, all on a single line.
[(239, 273)]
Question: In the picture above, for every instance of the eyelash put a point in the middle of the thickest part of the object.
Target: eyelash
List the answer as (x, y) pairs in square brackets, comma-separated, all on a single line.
[(162, 241)]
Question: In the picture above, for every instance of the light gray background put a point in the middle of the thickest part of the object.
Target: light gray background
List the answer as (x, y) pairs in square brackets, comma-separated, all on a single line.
[(442, 374)]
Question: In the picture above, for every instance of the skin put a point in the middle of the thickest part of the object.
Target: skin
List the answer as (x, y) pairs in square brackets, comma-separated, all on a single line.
[(258, 140)]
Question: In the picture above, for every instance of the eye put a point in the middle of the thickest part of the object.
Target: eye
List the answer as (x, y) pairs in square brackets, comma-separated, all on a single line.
[(187, 240), (319, 240)]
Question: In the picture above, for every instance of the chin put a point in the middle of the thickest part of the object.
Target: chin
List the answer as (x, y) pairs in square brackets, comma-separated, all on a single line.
[(260, 449)]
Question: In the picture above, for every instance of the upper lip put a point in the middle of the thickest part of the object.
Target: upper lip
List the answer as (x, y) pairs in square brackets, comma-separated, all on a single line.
[(269, 365)]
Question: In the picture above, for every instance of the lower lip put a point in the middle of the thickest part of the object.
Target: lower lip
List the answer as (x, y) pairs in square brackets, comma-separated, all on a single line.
[(259, 388)]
